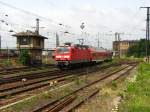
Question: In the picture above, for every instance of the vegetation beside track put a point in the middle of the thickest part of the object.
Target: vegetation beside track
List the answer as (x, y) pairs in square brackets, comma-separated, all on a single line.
[(12, 62), (137, 50), (137, 95), (108, 97), (28, 103), (126, 59)]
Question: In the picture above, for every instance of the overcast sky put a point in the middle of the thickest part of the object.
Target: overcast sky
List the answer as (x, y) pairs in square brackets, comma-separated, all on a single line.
[(100, 16)]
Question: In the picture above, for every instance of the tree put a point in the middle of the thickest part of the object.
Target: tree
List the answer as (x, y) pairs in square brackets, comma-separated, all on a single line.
[(24, 57), (137, 50), (133, 51)]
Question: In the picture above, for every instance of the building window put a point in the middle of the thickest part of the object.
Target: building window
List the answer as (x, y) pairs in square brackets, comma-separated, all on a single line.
[(24, 41), (38, 42)]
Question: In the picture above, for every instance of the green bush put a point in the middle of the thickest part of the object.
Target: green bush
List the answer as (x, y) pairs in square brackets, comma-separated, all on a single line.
[(6, 62), (138, 50), (24, 57)]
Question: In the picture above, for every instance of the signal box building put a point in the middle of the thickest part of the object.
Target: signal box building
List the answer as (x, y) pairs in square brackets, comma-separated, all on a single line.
[(33, 42)]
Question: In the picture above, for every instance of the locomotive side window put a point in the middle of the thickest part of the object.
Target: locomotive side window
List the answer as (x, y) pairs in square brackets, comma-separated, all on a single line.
[(63, 50)]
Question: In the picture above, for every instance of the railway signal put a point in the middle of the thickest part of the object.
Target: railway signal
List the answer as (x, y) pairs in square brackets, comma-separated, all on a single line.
[(82, 26)]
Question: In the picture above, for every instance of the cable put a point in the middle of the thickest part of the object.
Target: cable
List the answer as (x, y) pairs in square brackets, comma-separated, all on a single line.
[(33, 14)]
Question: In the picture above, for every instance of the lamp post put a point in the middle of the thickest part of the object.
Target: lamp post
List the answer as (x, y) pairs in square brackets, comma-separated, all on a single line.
[(2, 21), (7, 52), (0, 44)]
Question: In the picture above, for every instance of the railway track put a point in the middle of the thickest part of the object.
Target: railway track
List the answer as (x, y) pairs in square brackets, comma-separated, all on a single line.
[(6, 71), (31, 75), (9, 90), (61, 103), (28, 87), (74, 106), (28, 76), (12, 89), (12, 70), (18, 87)]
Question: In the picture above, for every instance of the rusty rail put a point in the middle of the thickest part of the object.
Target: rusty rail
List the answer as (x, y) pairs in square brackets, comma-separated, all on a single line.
[(33, 83), (39, 109)]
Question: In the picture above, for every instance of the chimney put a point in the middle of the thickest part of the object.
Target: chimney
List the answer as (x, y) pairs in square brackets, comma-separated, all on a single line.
[(37, 26)]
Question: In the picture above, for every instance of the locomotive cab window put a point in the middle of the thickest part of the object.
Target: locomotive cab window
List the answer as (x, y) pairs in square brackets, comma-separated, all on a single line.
[(63, 50)]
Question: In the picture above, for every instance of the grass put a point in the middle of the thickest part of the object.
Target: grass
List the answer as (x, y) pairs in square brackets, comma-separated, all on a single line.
[(12, 62), (137, 95), (5, 62), (23, 105), (126, 59), (114, 84), (48, 60)]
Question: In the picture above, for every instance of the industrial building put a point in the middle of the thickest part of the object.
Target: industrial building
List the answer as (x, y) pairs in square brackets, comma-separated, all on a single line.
[(120, 48)]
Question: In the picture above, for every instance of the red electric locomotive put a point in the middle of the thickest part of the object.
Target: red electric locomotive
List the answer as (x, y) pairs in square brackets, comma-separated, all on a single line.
[(69, 54)]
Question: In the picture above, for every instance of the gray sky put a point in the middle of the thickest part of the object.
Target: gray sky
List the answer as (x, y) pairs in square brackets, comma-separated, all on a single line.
[(103, 16)]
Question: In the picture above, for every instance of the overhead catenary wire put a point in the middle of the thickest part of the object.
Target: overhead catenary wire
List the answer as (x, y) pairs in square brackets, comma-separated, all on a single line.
[(33, 14)]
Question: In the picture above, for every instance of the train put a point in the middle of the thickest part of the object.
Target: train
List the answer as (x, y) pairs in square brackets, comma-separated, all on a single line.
[(8, 53), (68, 55)]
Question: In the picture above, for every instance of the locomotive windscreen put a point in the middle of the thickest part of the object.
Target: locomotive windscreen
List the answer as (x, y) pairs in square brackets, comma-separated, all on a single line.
[(63, 50)]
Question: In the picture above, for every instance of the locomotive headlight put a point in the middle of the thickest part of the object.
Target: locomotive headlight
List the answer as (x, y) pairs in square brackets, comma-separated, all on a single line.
[(66, 56), (58, 56)]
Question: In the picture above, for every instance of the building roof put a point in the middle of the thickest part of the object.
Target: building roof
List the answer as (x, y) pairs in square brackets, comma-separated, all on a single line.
[(29, 34)]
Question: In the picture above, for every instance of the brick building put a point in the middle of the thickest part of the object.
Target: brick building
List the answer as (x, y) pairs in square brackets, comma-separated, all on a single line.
[(33, 42), (121, 47)]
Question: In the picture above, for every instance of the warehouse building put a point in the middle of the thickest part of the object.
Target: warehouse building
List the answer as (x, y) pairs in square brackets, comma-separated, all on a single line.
[(120, 48)]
